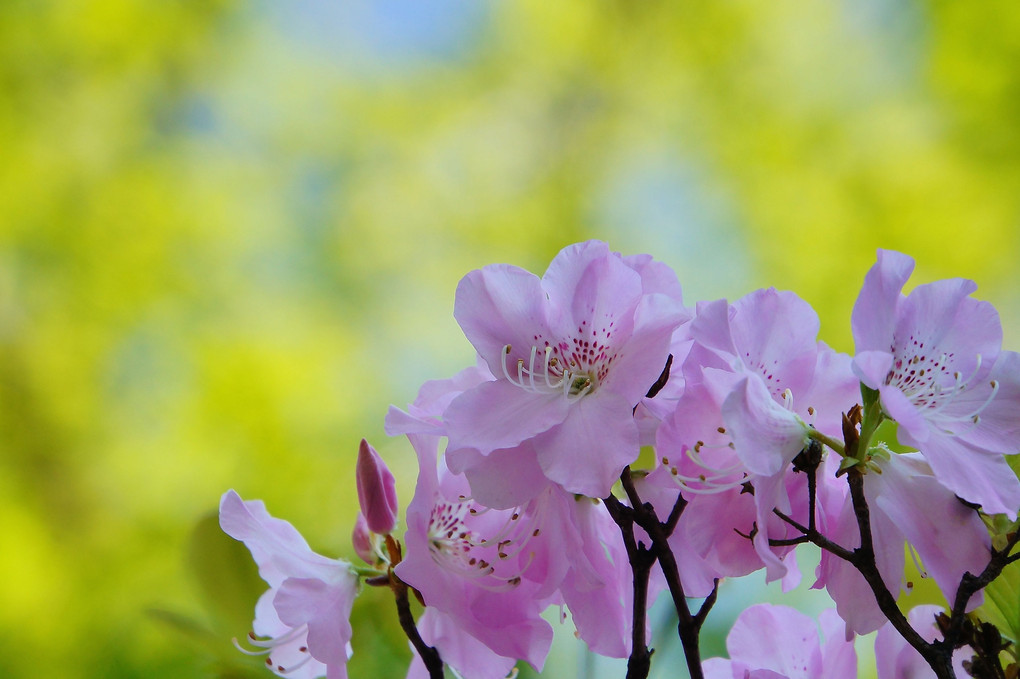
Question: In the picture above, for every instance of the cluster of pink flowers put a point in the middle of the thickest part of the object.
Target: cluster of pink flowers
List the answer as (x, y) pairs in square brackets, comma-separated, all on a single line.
[(763, 439)]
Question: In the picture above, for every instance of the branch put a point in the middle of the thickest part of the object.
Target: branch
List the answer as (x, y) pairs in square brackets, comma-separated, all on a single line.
[(429, 655), (972, 584), (863, 559), (689, 626), (641, 561)]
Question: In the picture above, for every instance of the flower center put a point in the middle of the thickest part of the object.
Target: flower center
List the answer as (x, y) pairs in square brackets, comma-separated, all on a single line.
[(924, 377), (455, 542), (557, 369)]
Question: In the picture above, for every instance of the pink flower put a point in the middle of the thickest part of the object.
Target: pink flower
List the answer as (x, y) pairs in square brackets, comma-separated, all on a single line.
[(473, 566), (559, 547), (907, 504), (757, 381), (934, 358), (778, 642), (572, 354), (303, 621)]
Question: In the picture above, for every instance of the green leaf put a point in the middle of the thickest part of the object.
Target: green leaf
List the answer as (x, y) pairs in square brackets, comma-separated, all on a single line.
[(1002, 602), (1014, 463), (226, 575)]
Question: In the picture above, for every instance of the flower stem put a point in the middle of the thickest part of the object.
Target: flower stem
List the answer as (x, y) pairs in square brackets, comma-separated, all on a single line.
[(641, 561), (689, 625), (429, 655)]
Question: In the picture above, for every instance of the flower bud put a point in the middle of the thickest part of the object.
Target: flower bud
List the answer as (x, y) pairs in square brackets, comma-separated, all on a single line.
[(361, 538), (377, 492)]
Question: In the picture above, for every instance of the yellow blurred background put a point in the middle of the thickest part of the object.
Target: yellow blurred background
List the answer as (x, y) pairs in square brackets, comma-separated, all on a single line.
[(230, 233)]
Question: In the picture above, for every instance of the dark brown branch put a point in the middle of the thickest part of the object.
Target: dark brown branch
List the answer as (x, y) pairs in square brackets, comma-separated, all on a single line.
[(429, 655), (864, 561), (812, 536), (661, 381), (972, 584), (641, 561), (689, 626)]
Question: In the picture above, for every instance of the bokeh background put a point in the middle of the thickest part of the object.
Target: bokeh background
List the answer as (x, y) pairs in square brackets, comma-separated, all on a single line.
[(230, 233)]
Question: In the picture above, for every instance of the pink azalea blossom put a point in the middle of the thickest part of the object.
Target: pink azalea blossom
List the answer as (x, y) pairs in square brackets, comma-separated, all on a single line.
[(561, 548), (907, 505), (472, 564), (757, 381), (778, 642), (302, 623), (572, 353), (934, 358)]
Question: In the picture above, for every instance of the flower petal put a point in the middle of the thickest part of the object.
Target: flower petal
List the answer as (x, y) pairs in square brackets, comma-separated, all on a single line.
[(767, 436), (586, 453), (506, 478), (752, 641), (277, 547), (500, 305), (325, 606), (500, 415), (874, 315), (973, 474), (931, 517)]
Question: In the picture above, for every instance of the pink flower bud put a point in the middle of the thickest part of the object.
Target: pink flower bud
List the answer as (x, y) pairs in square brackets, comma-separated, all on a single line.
[(361, 538), (377, 492)]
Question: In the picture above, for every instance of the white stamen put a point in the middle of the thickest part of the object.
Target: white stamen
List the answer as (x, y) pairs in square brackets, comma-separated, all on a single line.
[(304, 661), (270, 643), (552, 377)]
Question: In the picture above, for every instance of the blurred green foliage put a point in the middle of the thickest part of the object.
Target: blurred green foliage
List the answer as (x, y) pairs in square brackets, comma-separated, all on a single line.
[(230, 235)]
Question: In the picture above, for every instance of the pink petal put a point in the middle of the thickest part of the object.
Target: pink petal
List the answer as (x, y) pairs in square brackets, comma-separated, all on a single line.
[(898, 407), (973, 474), (506, 478), (767, 436), (941, 315), (587, 452), (839, 658), (894, 657), (277, 547), (874, 315), (585, 282), (500, 415), (998, 427), (325, 606), (641, 360), (500, 305), (752, 641), (460, 650), (776, 335), (871, 367), (931, 517)]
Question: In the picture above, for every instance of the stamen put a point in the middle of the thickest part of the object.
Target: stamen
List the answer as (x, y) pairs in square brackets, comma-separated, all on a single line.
[(248, 651), (304, 661), (917, 563), (455, 547), (707, 485), (973, 416)]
